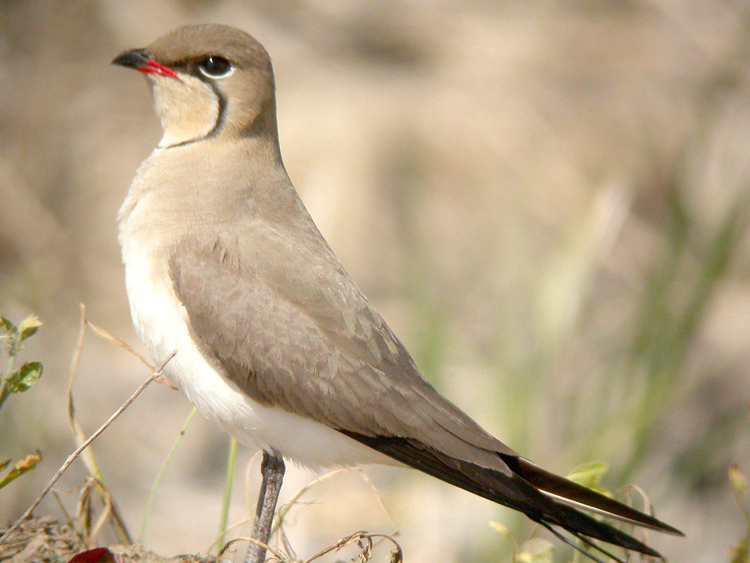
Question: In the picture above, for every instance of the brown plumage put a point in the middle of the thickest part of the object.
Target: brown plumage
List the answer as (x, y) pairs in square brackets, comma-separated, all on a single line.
[(226, 268)]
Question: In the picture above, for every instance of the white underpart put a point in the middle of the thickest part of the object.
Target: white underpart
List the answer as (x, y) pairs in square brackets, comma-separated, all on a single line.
[(159, 319)]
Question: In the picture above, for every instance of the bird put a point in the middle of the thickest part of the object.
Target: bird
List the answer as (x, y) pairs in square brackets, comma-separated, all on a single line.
[(231, 283)]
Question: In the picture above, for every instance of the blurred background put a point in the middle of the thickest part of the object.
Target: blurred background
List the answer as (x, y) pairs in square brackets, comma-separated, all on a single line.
[(546, 200)]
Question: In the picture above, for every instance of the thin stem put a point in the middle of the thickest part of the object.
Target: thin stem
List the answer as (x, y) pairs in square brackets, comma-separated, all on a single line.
[(228, 483), (157, 480)]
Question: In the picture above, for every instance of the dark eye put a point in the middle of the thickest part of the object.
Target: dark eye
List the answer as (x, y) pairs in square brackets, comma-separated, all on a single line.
[(215, 67)]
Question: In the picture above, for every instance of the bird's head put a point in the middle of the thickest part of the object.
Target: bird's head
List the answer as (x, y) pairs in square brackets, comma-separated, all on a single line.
[(208, 81)]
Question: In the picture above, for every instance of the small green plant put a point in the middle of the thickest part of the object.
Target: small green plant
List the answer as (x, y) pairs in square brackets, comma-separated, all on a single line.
[(17, 379), (23, 378)]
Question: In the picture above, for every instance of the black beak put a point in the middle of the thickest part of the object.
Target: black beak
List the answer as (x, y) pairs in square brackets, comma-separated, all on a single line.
[(143, 62), (135, 58)]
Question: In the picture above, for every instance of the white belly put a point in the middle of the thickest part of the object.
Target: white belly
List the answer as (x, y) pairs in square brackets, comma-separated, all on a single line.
[(160, 320)]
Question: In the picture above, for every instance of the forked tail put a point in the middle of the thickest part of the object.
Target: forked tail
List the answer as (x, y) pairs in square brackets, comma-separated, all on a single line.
[(551, 500)]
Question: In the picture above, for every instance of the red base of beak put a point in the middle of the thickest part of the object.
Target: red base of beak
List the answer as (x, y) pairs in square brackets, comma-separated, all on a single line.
[(142, 62), (152, 67)]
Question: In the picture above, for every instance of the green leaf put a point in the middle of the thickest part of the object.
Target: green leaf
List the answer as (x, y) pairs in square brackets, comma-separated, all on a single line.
[(4, 464), (590, 475), (10, 342), (7, 325), (21, 467), (29, 326), (24, 378)]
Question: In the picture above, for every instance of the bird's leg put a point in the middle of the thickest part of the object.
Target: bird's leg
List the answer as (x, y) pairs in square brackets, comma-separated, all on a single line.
[(272, 468)]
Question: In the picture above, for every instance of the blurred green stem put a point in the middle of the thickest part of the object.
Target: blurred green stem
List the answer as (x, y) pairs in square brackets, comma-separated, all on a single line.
[(663, 345), (152, 491), (228, 483)]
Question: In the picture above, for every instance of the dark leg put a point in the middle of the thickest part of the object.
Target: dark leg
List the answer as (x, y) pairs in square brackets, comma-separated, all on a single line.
[(272, 469)]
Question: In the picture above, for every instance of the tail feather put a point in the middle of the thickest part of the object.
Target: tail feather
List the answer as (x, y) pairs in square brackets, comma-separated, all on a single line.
[(571, 493), (543, 496)]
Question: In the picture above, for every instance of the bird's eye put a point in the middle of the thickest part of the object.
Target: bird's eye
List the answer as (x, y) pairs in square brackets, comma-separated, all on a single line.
[(215, 67)]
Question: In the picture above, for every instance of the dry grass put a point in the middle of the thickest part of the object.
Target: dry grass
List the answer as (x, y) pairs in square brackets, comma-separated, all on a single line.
[(41, 540)]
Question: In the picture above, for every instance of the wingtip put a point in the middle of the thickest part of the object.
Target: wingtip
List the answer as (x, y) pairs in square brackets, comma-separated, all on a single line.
[(568, 492)]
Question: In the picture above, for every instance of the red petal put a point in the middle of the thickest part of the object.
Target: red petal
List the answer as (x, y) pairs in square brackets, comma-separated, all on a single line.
[(97, 555)]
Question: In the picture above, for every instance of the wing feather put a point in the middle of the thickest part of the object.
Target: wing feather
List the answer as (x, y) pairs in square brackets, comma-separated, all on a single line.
[(292, 330)]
